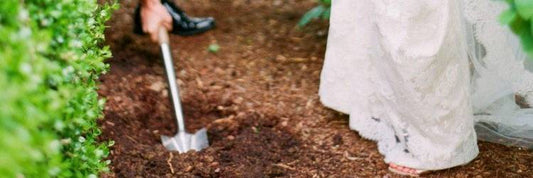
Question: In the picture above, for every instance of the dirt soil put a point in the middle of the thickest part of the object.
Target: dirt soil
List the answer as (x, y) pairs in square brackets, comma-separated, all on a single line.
[(257, 96)]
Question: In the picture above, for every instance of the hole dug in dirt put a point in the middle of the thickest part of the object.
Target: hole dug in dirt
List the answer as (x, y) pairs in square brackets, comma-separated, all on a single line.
[(249, 145)]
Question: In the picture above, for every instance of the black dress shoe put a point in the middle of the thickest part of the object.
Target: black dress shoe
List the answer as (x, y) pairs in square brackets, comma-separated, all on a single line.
[(181, 23)]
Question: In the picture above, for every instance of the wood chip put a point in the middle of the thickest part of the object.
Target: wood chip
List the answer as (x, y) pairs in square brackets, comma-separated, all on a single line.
[(169, 162)]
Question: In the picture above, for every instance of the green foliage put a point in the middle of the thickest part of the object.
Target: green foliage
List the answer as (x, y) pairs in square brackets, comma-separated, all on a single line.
[(519, 17), (51, 55), (213, 48), (322, 11)]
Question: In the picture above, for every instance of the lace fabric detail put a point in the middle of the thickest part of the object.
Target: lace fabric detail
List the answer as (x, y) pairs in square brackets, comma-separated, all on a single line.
[(499, 73), (404, 86), (414, 75)]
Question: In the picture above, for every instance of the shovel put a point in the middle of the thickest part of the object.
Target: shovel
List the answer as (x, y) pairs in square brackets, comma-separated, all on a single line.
[(182, 141)]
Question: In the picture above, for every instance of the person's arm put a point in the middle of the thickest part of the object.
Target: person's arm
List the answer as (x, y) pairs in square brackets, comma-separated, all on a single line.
[(154, 16)]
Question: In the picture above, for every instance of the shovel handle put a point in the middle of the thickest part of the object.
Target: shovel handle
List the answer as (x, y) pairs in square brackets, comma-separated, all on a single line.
[(163, 35), (171, 77)]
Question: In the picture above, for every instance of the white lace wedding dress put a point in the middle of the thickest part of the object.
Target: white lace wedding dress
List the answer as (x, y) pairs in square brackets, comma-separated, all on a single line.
[(402, 71)]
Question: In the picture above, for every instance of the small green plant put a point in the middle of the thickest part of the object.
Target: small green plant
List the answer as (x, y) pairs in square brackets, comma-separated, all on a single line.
[(519, 17), (213, 48), (51, 55), (322, 11)]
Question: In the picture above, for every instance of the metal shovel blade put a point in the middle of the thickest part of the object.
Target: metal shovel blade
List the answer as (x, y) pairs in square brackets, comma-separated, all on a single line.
[(184, 142)]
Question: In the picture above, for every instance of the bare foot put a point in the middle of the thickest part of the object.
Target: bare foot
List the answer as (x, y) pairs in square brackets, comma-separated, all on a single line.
[(402, 170)]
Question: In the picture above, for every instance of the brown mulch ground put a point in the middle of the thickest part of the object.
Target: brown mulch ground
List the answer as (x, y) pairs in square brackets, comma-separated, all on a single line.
[(257, 96)]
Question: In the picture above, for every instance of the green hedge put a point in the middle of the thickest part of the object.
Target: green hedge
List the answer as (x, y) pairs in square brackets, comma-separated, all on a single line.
[(51, 55)]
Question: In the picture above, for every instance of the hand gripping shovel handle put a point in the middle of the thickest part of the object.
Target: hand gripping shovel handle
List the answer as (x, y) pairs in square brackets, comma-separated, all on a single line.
[(163, 36), (171, 76)]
